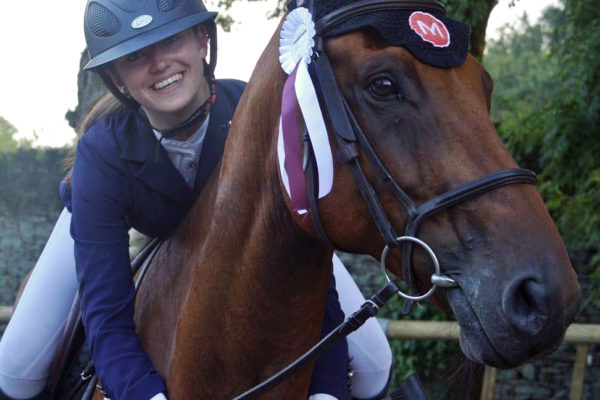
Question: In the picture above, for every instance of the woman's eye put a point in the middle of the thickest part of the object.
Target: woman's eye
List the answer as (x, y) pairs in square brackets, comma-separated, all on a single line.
[(172, 39), (136, 55), (383, 89)]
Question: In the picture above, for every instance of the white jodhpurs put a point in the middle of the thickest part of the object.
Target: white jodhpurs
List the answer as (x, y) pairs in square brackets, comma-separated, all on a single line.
[(32, 335), (368, 346)]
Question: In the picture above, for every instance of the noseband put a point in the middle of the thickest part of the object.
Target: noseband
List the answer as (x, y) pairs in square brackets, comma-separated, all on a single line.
[(352, 142)]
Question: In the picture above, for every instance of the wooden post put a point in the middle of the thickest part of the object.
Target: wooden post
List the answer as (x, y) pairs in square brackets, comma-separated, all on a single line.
[(5, 313), (489, 382), (578, 378)]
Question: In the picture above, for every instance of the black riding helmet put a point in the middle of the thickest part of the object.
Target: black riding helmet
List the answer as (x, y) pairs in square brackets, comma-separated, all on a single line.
[(114, 28)]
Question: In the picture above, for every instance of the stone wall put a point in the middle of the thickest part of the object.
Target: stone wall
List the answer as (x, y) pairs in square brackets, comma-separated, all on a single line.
[(550, 378)]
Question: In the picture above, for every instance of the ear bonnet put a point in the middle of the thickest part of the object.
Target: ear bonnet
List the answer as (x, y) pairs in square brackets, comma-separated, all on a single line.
[(421, 27)]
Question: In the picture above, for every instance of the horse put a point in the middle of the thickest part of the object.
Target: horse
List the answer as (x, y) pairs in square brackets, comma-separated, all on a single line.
[(239, 290)]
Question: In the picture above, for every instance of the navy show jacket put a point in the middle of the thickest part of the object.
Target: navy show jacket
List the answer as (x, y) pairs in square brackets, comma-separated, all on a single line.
[(118, 183)]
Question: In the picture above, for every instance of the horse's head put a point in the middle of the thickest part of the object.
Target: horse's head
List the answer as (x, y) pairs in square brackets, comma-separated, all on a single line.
[(429, 125)]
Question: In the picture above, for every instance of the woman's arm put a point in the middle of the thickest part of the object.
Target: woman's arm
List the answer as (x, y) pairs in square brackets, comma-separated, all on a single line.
[(101, 194)]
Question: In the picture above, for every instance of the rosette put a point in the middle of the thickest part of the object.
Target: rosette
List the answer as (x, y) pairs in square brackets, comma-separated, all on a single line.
[(296, 42), (296, 39)]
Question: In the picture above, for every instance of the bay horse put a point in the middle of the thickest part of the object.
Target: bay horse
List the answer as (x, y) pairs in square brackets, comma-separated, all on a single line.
[(239, 291)]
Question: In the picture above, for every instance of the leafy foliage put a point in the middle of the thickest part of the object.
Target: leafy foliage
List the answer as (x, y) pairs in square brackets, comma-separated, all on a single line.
[(36, 174), (7, 141), (29, 205), (475, 13), (547, 109)]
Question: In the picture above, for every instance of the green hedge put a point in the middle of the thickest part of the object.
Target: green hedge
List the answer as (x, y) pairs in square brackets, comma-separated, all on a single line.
[(29, 206)]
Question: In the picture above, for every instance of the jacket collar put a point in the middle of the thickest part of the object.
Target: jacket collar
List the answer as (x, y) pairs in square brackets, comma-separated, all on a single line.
[(157, 171)]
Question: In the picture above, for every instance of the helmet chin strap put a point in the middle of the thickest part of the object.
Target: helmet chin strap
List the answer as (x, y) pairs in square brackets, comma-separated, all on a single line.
[(193, 120)]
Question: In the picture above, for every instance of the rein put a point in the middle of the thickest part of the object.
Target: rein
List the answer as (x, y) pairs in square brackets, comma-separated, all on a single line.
[(368, 309), (351, 141)]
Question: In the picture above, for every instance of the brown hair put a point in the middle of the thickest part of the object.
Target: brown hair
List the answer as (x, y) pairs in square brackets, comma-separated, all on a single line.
[(107, 104)]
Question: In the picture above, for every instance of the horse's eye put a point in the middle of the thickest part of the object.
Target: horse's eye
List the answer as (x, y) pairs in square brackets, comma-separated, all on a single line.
[(383, 89)]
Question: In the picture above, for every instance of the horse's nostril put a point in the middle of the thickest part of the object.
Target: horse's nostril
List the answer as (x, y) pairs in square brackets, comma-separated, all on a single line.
[(525, 305)]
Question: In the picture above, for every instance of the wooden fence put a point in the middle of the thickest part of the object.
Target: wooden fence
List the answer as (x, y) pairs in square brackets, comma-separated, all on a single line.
[(5, 313), (582, 335)]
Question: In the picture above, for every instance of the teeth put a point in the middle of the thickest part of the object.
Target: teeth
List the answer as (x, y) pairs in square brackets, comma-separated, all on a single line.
[(167, 81)]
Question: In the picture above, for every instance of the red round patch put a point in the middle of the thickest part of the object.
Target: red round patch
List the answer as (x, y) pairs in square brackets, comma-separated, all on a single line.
[(429, 28)]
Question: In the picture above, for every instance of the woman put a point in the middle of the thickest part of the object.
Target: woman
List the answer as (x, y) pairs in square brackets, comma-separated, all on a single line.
[(139, 166)]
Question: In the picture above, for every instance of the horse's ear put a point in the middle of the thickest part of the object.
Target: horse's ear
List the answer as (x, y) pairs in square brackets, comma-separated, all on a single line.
[(488, 87)]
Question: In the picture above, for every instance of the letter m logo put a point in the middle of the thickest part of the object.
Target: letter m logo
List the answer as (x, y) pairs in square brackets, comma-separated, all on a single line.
[(430, 29)]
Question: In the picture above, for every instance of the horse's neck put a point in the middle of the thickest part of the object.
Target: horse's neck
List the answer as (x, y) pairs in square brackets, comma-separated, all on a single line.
[(271, 247), (260, 283)]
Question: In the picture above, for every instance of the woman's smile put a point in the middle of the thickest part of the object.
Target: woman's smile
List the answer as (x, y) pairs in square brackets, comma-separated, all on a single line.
[(170, 82)]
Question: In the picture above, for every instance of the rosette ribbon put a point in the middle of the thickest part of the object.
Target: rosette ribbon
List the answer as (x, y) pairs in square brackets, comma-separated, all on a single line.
[(295, 51)]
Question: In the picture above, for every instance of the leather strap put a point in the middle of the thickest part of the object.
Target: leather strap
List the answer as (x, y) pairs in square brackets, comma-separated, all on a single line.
[(368, 309)]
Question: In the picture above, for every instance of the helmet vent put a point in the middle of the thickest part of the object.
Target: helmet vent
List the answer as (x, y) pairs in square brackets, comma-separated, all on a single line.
[(101, 21), (168, 5)]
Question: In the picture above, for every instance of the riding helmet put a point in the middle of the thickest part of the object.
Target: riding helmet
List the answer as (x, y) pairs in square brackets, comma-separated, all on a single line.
[(114, 28)]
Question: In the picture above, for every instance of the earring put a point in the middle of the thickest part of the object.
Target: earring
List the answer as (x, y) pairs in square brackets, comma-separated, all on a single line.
[(124, 91)]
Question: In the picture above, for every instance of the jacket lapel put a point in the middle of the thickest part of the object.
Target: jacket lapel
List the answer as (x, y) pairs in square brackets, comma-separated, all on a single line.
[(157, 172)]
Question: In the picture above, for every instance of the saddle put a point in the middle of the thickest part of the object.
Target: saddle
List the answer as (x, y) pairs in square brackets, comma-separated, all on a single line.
[(62, 384)]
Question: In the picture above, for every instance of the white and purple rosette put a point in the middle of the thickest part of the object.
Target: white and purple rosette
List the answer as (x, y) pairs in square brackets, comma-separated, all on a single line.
[(296, 40), (295, 52)]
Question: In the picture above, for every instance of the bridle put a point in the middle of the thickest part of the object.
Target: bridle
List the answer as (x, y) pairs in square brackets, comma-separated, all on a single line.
[(352, 143)]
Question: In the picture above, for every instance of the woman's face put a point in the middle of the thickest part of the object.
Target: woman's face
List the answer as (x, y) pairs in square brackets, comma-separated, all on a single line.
[(166, 78)]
